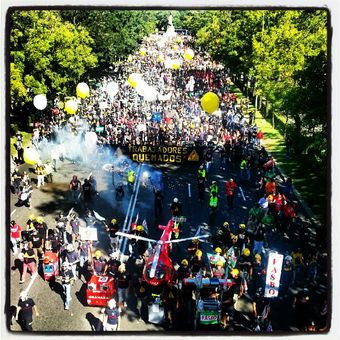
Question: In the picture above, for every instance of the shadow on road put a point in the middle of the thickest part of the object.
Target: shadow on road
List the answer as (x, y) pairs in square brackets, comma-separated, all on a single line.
[(81, 295), (95, 323), (57, 288)]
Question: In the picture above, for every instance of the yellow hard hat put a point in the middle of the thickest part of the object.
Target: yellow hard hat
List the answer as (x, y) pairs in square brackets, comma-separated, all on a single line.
[(235, 272), (258, 256), (139, 228), (195, 240), (242, 225), (113, 221), (246, 252), (184, 262), (198, 252), (31, 217), (218, 250), (39, 219), (97, 253), (234, 237), (219, 263), (226, 224)]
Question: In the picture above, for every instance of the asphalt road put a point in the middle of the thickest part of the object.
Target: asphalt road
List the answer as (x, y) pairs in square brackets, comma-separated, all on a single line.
[(53, 197)]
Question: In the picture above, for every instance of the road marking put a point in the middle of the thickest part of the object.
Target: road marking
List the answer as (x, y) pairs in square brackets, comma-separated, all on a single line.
[(31, 283), (244, 199), (13, 212)]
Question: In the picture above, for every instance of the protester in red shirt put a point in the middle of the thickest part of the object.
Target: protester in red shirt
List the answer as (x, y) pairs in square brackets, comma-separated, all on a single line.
[(15, 236), (230, 187), (259, 137)]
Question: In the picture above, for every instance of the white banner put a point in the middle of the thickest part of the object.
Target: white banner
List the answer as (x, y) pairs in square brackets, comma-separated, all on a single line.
[(89, 234), (273, 275)]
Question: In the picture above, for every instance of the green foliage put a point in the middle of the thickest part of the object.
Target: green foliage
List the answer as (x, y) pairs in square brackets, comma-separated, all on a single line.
[(115, 33), (47, 54)]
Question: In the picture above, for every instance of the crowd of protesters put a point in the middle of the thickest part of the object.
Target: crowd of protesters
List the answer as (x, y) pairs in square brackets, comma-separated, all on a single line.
[(230, 136)]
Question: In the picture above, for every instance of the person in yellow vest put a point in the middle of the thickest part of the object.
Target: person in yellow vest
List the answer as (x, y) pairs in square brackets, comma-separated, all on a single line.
[(213, 205), (40, 171), (131, 178), (201, 172)]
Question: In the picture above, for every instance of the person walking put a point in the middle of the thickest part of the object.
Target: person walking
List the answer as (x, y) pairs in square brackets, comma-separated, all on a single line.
[(15, 236), (29, 262), (213, 205), (230, 187), (158, 202), (67, 278), (24, 312), (111, 316), (123, 284), (40, 172), (75, 189)]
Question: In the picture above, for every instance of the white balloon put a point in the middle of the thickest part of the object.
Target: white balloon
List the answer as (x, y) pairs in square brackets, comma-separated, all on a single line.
[(112, 88), (142, 88), (151, 94), (40, 101)]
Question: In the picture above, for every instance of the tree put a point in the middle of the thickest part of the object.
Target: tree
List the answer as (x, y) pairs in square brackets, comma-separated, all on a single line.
[(47, 55), (116, 33)]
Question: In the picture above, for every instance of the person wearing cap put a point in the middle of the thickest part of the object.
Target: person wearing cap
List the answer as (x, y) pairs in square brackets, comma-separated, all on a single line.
[(40, 172), (37, 244), (192, 247), (111, 316), (230, 187), (176, 207), (219, 271), (183, 271), (72, 258), (25, 309), (29, 262), (197, 262), (98, 263), (258, 273), (112, 228), (138, 246), (15, 236), (67, 278), (244, 262)]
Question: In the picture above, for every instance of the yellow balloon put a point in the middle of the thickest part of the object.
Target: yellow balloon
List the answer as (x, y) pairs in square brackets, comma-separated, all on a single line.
[(31, 156), (133, 79), (175, 64), (189, 54), (83, 90), (129, 58), (210, 102), (71, 106), (142, 51)]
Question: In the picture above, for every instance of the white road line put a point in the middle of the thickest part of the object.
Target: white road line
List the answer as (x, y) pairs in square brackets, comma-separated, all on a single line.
[(244, 199), (13, 212), (31, 283)]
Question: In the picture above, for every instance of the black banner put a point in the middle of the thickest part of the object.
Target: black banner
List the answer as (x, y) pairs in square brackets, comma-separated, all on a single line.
[(164, 154)]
